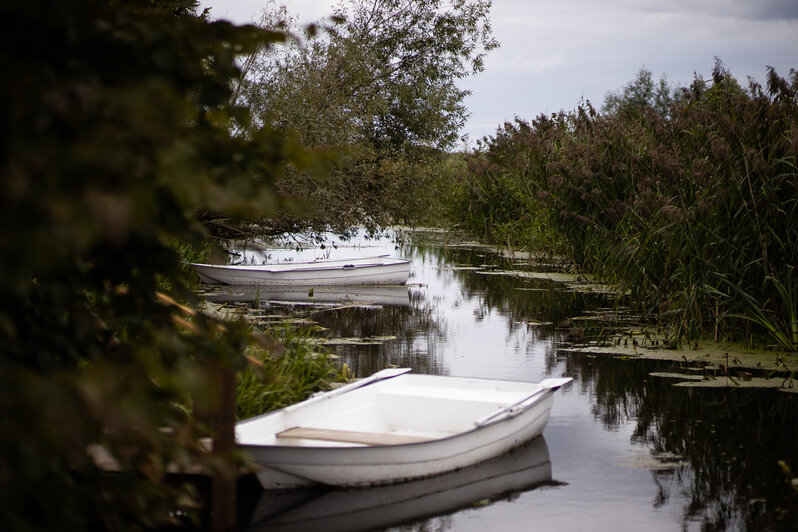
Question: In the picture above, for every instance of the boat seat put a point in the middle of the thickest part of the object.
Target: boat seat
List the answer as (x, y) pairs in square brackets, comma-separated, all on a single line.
[(350, 436)]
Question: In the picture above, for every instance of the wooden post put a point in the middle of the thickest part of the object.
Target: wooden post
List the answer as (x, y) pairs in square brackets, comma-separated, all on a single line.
[(223, 483)]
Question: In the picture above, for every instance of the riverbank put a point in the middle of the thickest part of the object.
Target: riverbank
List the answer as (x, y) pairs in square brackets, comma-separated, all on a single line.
[(692, 208)]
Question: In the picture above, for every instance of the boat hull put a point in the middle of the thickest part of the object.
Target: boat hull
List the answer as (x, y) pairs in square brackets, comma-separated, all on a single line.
[(521, 469), (331, 273), (310, 462), (365, 466)]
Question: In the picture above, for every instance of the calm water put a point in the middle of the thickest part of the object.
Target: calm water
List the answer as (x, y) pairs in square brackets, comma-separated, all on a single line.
[(622, 450)]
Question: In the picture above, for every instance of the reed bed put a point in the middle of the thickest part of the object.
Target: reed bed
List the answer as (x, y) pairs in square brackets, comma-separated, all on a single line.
[(692, 210)]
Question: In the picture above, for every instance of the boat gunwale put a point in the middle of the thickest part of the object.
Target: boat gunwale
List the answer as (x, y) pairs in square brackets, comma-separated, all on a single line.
[(339, 449), (321, 395)]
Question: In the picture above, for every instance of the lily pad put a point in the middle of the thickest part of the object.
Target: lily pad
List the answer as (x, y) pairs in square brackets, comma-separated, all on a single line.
[(536, 323), (784, 385), (666, 375), (459, 268), (367, 340), (653, 462), (505, 273), (704, 354), (559, 277)]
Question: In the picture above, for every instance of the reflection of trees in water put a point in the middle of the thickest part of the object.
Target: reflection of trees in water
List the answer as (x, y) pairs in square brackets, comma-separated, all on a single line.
[(420, 327), (518, 299), (734, 451), (731, 439), (416, 328)]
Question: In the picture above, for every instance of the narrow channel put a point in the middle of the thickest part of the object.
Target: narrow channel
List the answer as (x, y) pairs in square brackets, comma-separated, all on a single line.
[(623, 450)]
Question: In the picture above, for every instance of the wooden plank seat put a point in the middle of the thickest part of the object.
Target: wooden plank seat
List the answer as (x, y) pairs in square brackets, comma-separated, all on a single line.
[(350, 436)]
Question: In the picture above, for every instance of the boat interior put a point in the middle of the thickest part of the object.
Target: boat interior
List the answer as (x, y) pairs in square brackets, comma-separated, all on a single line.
[(406, 409)]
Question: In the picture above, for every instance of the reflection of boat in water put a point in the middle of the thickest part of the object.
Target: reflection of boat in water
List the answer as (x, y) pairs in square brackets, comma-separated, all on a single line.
[(357, 271), (522, 469), (332, 295)]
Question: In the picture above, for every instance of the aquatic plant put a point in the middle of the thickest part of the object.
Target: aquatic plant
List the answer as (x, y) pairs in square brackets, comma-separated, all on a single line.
[(778, 315)]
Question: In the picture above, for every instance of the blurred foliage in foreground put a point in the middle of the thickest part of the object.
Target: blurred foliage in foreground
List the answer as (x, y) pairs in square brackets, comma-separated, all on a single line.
[(115, 135), (687, 199)]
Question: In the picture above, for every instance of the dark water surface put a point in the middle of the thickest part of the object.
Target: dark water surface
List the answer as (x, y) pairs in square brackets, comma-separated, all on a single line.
[(622, 450)]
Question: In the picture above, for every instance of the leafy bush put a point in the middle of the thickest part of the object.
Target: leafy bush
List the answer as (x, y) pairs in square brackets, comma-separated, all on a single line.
[(116, 139)]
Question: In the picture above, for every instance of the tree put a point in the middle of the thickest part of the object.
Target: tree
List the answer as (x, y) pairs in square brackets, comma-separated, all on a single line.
[(116, 134), (388, 69), (378, 86), (641, 94)]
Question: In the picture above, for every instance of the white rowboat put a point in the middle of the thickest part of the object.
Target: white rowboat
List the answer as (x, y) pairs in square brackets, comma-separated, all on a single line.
[(362, 271), (392, 427)]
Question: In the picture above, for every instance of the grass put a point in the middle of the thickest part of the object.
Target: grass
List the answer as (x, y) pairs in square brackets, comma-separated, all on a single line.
[(285, 370)]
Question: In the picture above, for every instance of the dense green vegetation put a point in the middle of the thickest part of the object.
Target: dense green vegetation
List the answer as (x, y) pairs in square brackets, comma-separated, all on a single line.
[(116, 143), (689, 199), (130, 132), (130, 126), (377, 88)]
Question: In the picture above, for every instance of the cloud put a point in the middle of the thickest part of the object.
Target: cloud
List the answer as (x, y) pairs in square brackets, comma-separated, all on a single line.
[(742, 9), (556, 53)]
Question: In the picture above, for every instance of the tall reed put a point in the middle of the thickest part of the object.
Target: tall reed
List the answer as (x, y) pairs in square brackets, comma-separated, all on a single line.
[(693, 210)]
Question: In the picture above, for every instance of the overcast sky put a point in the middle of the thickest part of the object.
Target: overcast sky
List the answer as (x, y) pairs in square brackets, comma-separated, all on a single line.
[(554, 53)]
